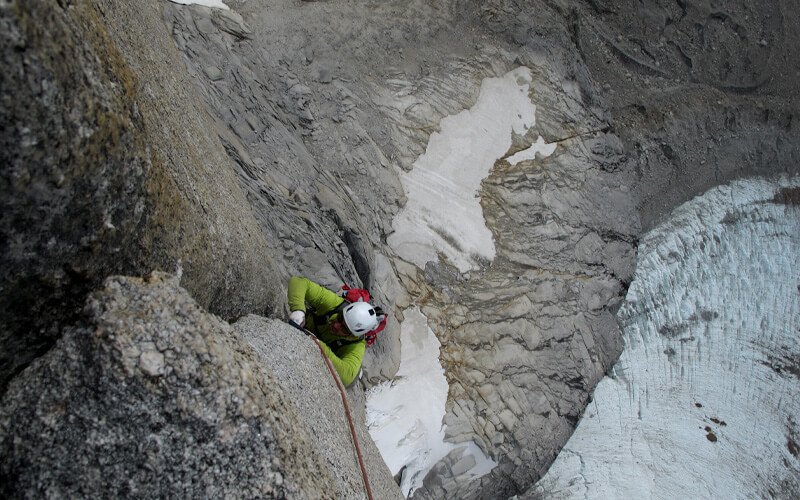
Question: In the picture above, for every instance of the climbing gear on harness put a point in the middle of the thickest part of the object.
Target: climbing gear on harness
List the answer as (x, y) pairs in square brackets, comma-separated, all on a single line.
[(360, 318), (346, 407)]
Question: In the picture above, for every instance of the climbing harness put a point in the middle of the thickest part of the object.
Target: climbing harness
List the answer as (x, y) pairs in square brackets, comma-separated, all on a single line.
[(346, 407)]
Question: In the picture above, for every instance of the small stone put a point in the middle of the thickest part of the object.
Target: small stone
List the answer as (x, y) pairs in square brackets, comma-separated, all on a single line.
[(507, 418), (254, 122), (205, 25), (466, 463), (213, 73), (152, 363), (324, 76)]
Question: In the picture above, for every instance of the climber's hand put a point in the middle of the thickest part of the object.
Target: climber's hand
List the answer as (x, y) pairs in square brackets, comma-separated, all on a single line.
[(298, 317)]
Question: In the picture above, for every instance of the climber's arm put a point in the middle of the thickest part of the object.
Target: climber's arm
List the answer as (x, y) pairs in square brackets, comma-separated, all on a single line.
[(348, 361), (302, 290)]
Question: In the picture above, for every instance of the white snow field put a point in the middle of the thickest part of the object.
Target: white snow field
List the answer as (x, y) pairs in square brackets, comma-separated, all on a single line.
[(208, 3), (404, 416), (704, 401), (443, 212), (539, 147)]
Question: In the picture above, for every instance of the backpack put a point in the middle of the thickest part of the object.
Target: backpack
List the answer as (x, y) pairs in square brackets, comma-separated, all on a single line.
[(354, 295)]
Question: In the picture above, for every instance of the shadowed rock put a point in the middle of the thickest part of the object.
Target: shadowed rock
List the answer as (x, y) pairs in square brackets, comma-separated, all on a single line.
[(262, 142), (111, 165)]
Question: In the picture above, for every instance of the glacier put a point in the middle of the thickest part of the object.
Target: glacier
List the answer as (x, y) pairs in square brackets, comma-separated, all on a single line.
[(703, 401)]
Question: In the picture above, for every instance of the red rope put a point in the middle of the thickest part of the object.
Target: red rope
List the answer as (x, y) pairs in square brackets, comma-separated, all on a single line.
[(346, 408)]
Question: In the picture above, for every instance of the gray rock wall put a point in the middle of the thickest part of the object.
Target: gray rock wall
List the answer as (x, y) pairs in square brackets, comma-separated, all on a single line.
[(528, 338), (151, 397), (303, 375), (700, 93), (111, 164), (308, 163), (266, 141)]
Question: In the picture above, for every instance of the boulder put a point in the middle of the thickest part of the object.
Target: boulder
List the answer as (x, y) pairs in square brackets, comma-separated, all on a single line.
[(303, 375), (151, 396)]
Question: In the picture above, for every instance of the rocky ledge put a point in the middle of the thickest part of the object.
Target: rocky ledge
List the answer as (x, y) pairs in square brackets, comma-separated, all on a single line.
[(151, 396)]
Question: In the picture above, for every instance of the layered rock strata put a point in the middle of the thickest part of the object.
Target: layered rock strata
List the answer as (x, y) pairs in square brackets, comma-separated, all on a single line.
[(266, 141), (556, 224)]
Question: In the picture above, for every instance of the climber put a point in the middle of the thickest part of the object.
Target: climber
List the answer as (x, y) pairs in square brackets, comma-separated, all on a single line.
[(339, 324)]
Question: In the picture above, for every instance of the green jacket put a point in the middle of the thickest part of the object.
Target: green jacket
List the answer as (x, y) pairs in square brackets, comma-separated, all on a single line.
[(346, 359)]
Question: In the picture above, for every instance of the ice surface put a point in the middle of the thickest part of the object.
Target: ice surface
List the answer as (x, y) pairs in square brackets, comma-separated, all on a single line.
[(404, 416), (703, 402), (443, 212), (208, 3)]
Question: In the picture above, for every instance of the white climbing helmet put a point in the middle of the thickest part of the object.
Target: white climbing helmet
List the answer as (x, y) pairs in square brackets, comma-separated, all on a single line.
[(360, 318)]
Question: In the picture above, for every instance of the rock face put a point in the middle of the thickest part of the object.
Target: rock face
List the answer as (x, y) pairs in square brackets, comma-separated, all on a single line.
[(267, 141), (565, 229), (303, 375), (153, 397), (111, 164), (700, 93), (305, 144)]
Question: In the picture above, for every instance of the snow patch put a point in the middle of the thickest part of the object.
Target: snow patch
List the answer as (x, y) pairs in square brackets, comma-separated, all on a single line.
[(539, 146), (703, 402), (443, 212), (217, 4), (404, 416)]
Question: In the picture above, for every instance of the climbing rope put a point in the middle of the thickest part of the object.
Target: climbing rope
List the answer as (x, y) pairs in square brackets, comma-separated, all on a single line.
[(346, 406)]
